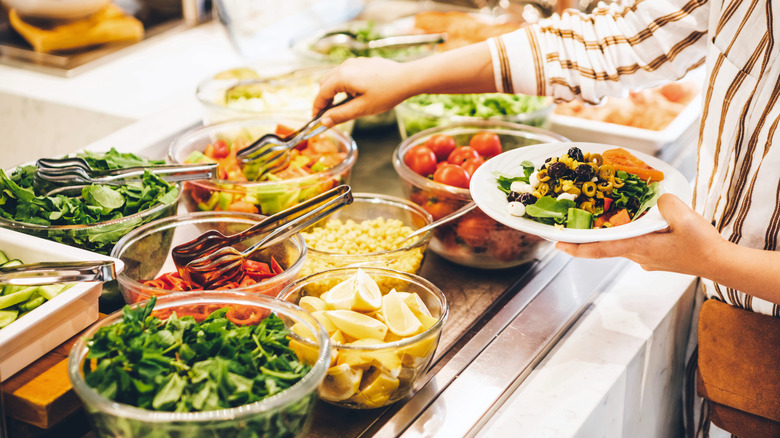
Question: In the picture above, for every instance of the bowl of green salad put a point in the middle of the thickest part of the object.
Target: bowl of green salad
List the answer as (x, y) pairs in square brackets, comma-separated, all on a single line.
[(201, 364), (426, 111), (94, 218)]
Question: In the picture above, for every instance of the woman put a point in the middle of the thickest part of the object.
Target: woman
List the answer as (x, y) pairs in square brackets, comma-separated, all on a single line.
[(730, 236)]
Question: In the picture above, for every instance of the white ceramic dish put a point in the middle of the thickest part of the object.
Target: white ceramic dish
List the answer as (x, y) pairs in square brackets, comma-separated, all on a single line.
[(643, 140), (55, 321), (56, 9), (492, 201)]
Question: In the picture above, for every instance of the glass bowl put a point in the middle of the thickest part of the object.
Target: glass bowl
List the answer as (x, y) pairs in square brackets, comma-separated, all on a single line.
[(146, 252), (413, 117), (243, 93), (287, 413), (264, 197), (473, 240), (99, 237), (339, 248), (367, 374)]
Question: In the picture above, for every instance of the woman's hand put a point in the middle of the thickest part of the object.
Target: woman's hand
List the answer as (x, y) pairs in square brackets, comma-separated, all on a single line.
[(378, 85), (690, 245)]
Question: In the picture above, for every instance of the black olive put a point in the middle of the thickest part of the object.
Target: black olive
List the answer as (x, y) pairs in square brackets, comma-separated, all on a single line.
[(527, 199), (632, 204), (575, 153), (583, 172), (513, 196), (558, 170)]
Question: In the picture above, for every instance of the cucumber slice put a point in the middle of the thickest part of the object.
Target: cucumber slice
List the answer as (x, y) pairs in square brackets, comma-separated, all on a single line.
[(3, 258), (7, 317), (18, 297), (12, 263)]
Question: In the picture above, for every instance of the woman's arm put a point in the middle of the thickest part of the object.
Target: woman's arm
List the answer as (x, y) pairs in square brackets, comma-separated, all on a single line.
[(568, 56), (693, 246)]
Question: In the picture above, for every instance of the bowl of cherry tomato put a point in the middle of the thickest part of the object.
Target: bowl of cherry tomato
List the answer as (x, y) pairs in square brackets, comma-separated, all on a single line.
[(435, 166), (315, 166)]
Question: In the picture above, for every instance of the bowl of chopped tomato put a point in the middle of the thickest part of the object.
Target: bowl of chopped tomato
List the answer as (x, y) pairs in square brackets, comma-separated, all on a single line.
[(315, 166), (150, 270), (203, 364), (436, 165)]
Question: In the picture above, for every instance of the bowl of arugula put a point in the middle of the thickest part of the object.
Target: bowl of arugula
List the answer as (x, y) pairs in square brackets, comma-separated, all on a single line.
[(96, 218), (201, 365)]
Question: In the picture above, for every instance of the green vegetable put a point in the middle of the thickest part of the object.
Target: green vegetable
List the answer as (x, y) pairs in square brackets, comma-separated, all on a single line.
[(15, 301), (97, 203), (183, 365), (367, 33), (549, 210), (438, 108), (505, 182), (579, 219)]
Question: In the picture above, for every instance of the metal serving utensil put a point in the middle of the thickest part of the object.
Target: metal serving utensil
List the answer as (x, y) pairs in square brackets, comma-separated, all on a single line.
[(271, 153), (442, 220), (52, 180), (225, 264), (58, 272), (349, 40), (213, 240)]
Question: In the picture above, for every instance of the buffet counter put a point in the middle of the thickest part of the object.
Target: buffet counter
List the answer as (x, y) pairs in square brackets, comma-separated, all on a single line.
[(558, 347)]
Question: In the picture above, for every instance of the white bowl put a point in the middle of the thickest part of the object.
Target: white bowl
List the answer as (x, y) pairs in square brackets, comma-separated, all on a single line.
[(56, 9), (36, 333)]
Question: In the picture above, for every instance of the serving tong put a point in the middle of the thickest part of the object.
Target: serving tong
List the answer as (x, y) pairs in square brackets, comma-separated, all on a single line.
[(58, 272), (70, 175), (210, 261), (349, 40), (271, 153)]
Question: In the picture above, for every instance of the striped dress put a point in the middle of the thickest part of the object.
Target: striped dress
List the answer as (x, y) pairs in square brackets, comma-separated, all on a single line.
[(642, 43)]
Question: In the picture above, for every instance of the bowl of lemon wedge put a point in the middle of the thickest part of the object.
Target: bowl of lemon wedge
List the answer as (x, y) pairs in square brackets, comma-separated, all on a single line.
[(384, 327)]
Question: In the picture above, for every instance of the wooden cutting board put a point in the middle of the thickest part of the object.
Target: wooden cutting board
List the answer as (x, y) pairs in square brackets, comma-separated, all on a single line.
[(41, 394)]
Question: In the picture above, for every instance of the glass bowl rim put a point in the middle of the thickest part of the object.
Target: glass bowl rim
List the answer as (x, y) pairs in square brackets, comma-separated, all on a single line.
[(309, 382), (420, 181), (172, 222), (186, 138), (17, 225), (379, 198), (393, 273)]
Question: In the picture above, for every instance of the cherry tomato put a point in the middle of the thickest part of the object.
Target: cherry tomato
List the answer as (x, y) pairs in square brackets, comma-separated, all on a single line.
[(462, 154), (221, 149), (471, 165), (421, 160), (452, 175), (486, 143), (441, 145)]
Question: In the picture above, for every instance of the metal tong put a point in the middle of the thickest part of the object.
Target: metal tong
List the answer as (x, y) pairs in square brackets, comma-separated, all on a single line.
[(271, 153), (58, 272), (347, 39), (66, 175), (223, 264)]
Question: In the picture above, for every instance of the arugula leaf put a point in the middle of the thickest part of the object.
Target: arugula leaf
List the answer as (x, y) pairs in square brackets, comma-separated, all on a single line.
[(548, 207), (648, 200), (505, 182)]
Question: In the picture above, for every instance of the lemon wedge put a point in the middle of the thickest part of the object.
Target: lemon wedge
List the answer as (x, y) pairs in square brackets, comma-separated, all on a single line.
[(358, 326), (376, 389), (385, 359), (322, 317), (368, 298), (341, 296), (420, 310), (399, 318), (337, 337), (312, 304), (306, 353), (301, 330), (341, 382)]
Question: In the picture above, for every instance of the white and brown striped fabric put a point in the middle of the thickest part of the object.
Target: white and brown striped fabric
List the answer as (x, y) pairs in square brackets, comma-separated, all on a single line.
[(638, 44)]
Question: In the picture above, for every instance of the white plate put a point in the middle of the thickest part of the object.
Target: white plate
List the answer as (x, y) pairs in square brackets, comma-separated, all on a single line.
[(36, 333), (491, 200)]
